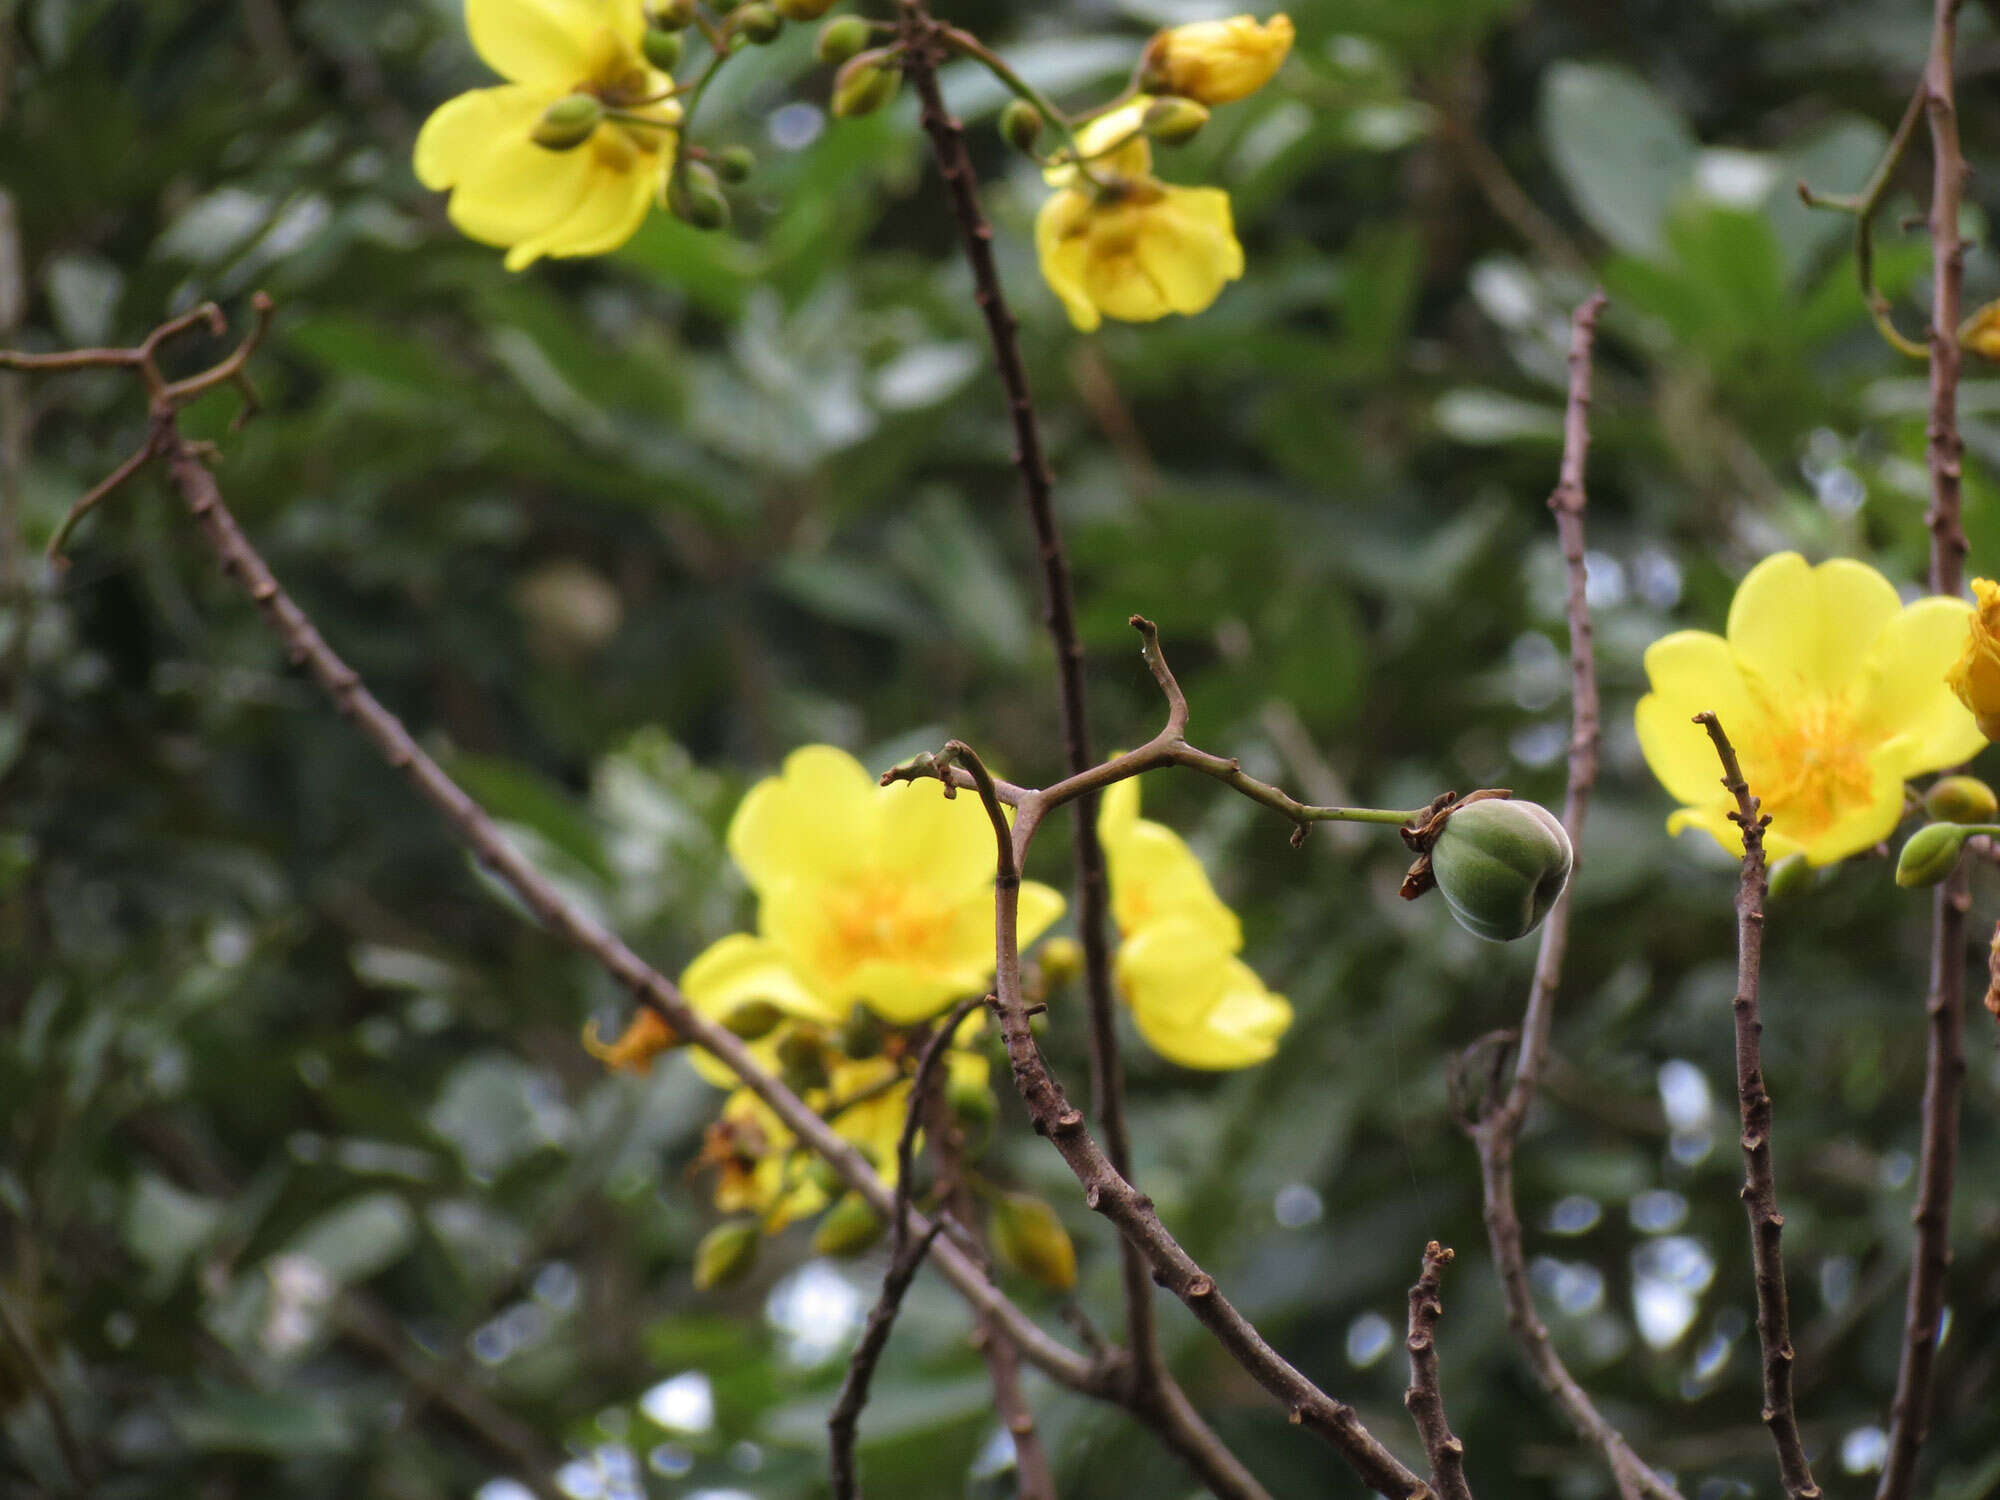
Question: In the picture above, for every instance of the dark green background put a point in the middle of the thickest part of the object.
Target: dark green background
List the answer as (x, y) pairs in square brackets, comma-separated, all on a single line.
[(255, 1003)]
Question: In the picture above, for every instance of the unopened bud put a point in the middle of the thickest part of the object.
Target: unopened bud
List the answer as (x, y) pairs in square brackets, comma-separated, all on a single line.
[(972, 1104), (662, 48), (1060, 959), (735, 163), (1980, 333), (1961, 799), (863, 86), (822, 1174), (568, 123), (841, 38), (802, 10), (757, 23), (1173, 120), (671, 15), (1930, 854), (1500, 865), (1790, 876), (802, 1058), (695, 195), (1021, 125), (725, 1253), (862, 1033), (1030, 1238), (848, 1228), (753, 1020)]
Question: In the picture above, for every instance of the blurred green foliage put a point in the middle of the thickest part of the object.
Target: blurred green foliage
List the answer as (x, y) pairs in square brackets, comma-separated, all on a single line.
[(306, 1187)]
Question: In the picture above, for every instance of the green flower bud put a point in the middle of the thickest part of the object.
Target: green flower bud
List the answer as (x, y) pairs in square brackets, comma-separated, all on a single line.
[(802, 10), (1500, 865), (848, 1228), (1030, 1238), (821, 1174), (1930, 854), (568, 123), (1790, 876), (1961, 799), (735, 163), (756, 23), (662, 48), (695, 195), (863, 86), (862, 1033), (753, 1020), (671, 15), (802, 1059), (1173, 120), (1020, 125), (842, 38), (725, 1253)]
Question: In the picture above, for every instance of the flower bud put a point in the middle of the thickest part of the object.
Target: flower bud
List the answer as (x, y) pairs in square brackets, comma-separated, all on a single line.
[(671, 15), (802, 10), (1173, 120), (1500, 865), (1980, 333), (753, 1020), (863, 86), (861, 1034), (802, 1060), (1021, 125), (822, 1174), (756, 23), (645, 1037), (662, 48), (568, 123), (1060, 960), (1975, 676), (1790, 876), (735, 163), (1030, 1238), (1216, 62), (695, 195), (841, 38), (1961, 799), (725, 1253), (973, 1106), (1930, 854), (848, 1228)]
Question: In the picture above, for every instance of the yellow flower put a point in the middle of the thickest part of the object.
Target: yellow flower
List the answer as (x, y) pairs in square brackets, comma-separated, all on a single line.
[(1133, 248), (1975, 676), (760, 1172), (506, 189), (1217, 62), (869, 894), (1832, 691), (1193, 1000), (1981, 332)]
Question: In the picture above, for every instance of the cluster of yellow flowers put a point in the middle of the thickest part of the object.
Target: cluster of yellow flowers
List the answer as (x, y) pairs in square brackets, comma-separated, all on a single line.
[(1835, 694), (1115, 241)]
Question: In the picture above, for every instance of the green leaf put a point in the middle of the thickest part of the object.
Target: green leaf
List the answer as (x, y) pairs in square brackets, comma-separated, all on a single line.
[(1621, 149)]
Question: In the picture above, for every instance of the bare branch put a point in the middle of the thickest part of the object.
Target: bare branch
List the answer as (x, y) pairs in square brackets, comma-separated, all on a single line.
[(1424, 1398), (1760, 1190), (853, 1396)]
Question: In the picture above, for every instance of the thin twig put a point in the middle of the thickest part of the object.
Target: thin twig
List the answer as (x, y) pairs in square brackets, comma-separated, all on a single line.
[(1497, 1131), (1944, 1050), (1760, 1188), (1425, 1398), (925, 41), (920, 1087), (846, 1414)]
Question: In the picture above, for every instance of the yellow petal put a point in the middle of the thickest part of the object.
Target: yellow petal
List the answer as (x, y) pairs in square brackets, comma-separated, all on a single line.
[(462, 130), (547, 42), (1862, 824), (1041, 906), (1118, 809), (1219, 62), (515, 190), (1796, 628), (735, 971), (617, 194), (1131, 160), (1063, 252), (1692, 671), (1904, 691), (1196, 1005), (1156, 878), (921, 837), (1190, 249), (807, 821)]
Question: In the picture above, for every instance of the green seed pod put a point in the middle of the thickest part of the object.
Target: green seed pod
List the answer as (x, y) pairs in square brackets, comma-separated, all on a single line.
[(862, 1034), (1961, 799), (1021, 125), (695, 195), (1790, 876), (802, 1059), (568, 123), (1930, 854), (863, 86), (671, 15), (1029, 1237), (1173, 120), (735, 163), (1500, 865), (820, 1173), (840, 39), (757, 23), (662, 48), (848, 1228), (725, 1253), (802, 10), (753, 1020)]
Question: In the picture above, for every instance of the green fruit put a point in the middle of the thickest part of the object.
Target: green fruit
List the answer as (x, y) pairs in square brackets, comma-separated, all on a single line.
[(1020, 125), (848, 1228), (725, 1253), (1961, 799), (757, 23), (1500, 865), (861, 87), (1030, 1238), (753, 1020), (1174, 120), (735, 163), (1930, 854), (695, 195), (662, 48), (802, 10), (568, 123), (1790, 876), (842, 38)]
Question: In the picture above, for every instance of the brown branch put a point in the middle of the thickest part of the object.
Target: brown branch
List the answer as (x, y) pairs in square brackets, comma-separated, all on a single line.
[(923, 49), (1760, 1188), (1497, 1130), (1944, 1049), (1424, 1398), (846, 1415)]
